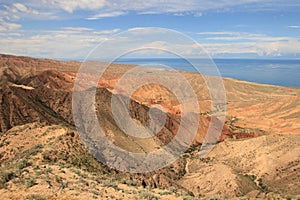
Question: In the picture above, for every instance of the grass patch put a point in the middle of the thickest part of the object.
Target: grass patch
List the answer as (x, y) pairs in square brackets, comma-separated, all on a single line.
[(32, 151), (79, 173), (108, 183), (148, 196)]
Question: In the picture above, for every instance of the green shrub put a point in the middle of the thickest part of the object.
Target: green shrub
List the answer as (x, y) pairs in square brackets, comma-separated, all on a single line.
[(29, 183), (49, 170), (188, 197), (108, 183), (23, 164)]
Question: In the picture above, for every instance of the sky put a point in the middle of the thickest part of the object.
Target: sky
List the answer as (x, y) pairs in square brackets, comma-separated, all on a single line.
[(67, 29)]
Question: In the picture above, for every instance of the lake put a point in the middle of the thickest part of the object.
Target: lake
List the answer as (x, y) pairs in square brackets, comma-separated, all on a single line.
[(274, 72)]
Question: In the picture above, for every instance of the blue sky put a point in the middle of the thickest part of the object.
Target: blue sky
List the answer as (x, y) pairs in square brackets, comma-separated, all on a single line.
[(225, 28)]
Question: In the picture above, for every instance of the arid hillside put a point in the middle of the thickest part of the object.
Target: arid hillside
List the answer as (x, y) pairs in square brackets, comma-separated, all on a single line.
[(42, 157)]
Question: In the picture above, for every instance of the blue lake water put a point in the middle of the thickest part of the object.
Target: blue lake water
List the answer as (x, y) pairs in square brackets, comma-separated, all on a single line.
[(274, 72)]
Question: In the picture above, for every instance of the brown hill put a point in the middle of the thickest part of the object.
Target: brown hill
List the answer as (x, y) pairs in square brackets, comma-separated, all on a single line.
[(33, 156)]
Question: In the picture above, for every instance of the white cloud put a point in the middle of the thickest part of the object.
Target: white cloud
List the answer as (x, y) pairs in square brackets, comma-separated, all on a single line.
[(196, 6), (107, 32), (294, 27), (102, 8), (291, 46), (18, 8), (198, 14), (52, 43), (12, 13), (248, 43), (107, 14), (8, 26), (81, 40), (218, 33), (230, 33), (239, 37), (71, 5), (176, 6), (179, 14), (22, 8), (77, 29)]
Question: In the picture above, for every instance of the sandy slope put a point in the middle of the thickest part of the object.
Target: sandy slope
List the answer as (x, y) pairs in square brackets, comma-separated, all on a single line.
[(268, 163), (61, 167)]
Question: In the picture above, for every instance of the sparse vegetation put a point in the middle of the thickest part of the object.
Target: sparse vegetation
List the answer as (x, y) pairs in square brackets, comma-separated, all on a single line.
[(261, 184), (48, 170), (23, 164), (188, 197), (132, 182), (5, 177), (29, 183), (34, 197), (32, 151), (251, 177), (165, 193), (108, 183), (148, 195)]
